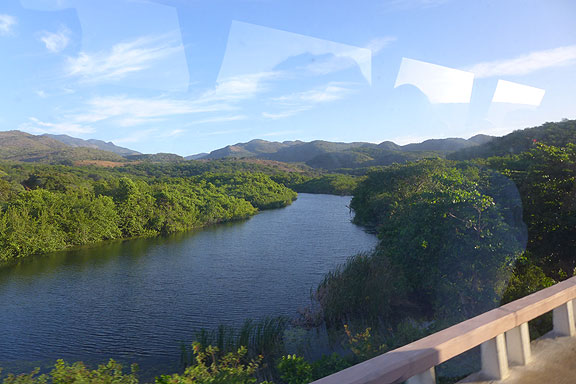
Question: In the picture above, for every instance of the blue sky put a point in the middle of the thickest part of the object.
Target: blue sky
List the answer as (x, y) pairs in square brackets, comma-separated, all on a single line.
[(190, 76)]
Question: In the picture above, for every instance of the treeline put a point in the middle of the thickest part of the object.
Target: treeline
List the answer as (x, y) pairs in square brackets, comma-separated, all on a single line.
[(458, 238), (299, 178), (330, 184), (44, 209)]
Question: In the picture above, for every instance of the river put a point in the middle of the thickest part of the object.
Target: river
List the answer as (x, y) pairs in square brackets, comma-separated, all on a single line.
[(138, 300)]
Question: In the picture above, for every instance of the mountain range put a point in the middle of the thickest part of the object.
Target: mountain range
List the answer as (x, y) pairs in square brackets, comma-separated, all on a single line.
[(333, 155), (92, 143), (319, 154)]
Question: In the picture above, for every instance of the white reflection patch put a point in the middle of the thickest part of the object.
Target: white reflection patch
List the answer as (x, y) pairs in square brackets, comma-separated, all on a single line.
[(514, 93), (255, 49), (440, 84)]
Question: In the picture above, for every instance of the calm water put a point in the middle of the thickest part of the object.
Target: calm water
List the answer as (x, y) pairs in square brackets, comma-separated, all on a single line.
[(137, 300)]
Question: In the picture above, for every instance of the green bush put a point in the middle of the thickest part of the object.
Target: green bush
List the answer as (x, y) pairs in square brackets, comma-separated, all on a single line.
[(211, 369), (294, 370), (77, 373)]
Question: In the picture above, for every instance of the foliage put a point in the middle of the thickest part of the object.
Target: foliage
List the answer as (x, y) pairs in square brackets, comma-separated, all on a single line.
[(328, 184), (329, 364), (294, 370), (546, 179), (209, 368), (256, 188), (231, 368), (526, 278), (77, 373), (362, 344), (196, 168), (449, 233), (48, 208)]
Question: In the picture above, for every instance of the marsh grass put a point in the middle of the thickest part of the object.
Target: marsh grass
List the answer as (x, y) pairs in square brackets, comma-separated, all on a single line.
[(262, 337)]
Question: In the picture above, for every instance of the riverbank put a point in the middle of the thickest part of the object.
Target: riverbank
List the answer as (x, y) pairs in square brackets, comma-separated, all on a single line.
[(58, 209)]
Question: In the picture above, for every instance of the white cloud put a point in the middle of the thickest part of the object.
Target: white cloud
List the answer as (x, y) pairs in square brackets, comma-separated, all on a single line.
[(37, 126), (221, 119), (327, 93), (122, 111), (134, 111), (56, 41), (238, 88), (303, 101), (174, 132), (7, 24), (135, 137), (440, 84), (122, 59), (525, 64), (514, 93)]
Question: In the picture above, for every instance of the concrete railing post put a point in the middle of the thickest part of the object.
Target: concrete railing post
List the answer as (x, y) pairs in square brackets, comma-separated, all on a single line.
[(426, 377), (574, 308), (563, 318), (518, 345), (494, 358)]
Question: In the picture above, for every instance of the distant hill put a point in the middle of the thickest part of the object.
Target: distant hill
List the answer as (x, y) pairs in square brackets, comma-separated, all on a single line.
[(21, 146), (250, 149), (440, 145), (196, 156), (156, 157), (92, 143), (481, 139), (333, 155), (305, 152), (557, 134)]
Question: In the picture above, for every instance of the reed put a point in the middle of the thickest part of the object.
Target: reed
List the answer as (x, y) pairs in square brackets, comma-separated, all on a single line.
[(262, 337)]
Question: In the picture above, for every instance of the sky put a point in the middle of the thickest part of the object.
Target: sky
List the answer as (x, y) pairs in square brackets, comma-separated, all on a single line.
[(191, 76)]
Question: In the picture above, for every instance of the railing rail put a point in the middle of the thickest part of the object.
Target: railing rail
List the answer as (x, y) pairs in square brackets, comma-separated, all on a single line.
[(502, 334)]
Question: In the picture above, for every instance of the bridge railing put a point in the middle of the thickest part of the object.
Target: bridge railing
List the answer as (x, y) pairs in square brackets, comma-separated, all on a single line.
[(502, 334)]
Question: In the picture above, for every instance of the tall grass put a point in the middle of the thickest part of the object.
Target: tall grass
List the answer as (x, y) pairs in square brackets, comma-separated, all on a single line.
[(261, 337), (365, 287)]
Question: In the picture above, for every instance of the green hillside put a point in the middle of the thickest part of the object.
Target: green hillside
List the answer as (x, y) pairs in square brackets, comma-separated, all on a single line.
[(557, 134), (21, 146), (92, 143)]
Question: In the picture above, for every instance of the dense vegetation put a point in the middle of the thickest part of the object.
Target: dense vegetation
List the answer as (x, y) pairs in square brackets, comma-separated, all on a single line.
[(458, 238), (47, 208), (448, 231), (296, 177)]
